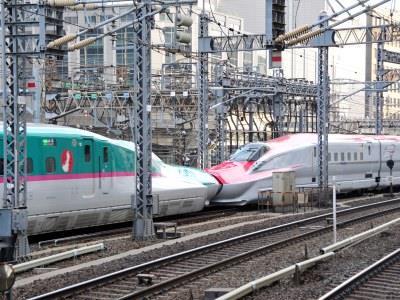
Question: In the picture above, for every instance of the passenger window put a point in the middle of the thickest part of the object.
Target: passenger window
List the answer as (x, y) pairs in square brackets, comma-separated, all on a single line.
[(29, 167), (50, 165), (369, 149), (315, 151), (348, 156), (329, 156), (1, 166), (342, 156), (336, 156), (361, 156), (355, 156), (87, 153), (105, 154)]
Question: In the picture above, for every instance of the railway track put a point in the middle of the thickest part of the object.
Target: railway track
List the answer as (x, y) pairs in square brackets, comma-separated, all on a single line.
[(378, 281), (175, 270), (126, 229)]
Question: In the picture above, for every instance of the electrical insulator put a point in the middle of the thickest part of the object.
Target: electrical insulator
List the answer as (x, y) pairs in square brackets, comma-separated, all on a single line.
[(61, 41), (184, 21), (293, 34), (61, 2), (82, 44), (183, 37), (88, 6)]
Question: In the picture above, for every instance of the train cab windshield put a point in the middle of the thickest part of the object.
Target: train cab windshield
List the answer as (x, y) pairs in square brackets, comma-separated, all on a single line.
[(249, 152)]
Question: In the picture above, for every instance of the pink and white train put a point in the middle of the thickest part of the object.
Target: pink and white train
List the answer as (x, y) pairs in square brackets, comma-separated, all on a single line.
[(357, 162)]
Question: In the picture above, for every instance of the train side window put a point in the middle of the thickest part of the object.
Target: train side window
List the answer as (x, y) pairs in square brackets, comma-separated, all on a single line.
[(50, 164), (369, 149), (87, 153), (335, 156), (315, 151), (355, 156), (342, 156), (29, 167), (348, 156), (105, 154), (361, 156), (329, 156), (1, 166)]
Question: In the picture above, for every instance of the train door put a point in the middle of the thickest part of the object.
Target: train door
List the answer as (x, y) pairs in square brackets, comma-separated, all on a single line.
[(88, 166), (314, 164), (106, 171), (372, 162)]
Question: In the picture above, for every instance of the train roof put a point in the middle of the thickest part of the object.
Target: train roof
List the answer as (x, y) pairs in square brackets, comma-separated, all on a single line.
[(45, 129), (307, 139), (65, 131)]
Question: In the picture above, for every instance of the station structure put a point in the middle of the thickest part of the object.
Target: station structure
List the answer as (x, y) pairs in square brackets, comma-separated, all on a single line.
[(206, 97)]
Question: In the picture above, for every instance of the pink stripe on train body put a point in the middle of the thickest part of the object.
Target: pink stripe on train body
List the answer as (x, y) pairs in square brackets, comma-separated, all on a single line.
[(50, 177)]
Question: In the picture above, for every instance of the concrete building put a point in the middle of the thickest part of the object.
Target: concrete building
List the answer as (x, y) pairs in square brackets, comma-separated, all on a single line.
[(114, 54)]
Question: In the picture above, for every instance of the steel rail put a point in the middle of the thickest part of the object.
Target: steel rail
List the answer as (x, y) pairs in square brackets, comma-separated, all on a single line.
[(347, 287), (165, 285), (70, 290)]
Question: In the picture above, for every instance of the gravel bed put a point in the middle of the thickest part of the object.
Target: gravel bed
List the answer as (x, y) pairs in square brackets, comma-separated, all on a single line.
[(316, 282), (358, 201), (329, 274), (116, 245), (119, 246), (42, 286), (185, 229)]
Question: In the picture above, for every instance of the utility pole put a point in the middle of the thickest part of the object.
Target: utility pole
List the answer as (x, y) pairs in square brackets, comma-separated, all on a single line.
[(202, 151), (143, 202), (323, 118)]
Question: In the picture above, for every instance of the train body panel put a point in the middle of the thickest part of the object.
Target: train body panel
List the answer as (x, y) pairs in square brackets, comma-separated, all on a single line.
[(356, 161), (79, 179)]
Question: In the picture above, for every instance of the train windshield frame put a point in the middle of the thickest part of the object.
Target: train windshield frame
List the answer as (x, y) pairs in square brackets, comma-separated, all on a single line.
[(249, 152)]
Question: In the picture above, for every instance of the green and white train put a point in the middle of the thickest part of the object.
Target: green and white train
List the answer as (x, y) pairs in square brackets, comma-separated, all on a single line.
[(79, 179)]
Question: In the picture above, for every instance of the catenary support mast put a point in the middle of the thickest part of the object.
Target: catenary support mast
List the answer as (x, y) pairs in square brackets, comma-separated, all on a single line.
[(143, 210), (202, 161), (323, 119)]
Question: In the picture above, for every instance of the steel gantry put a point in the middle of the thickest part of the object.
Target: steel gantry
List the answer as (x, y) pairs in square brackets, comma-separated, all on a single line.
[(321, 35)]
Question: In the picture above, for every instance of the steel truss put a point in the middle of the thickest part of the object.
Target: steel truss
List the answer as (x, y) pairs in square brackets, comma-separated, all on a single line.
[(26, 28), (391, 126), (252, 115), (391, 57), (380, 72), (336, 37), (143, 201), (175, 116), (323, 120), (202, 151)]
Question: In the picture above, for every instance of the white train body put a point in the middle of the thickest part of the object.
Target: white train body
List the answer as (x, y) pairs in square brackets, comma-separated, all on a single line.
[(80, 179), (356, 161)]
